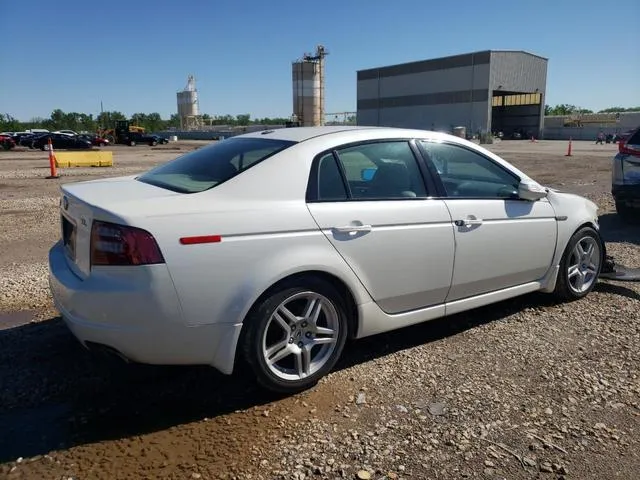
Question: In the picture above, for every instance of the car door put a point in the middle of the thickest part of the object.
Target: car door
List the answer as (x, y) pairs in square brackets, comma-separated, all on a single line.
[(501, 240), (372, 203)]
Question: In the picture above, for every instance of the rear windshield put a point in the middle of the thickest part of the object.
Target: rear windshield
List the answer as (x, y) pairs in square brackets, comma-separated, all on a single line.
[(209, 166)]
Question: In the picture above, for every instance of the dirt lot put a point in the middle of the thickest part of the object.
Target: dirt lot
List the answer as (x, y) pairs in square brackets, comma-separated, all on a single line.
[(523, 389)]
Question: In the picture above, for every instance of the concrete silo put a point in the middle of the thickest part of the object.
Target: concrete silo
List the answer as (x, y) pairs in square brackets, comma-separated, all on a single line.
[(188, 109), (308, 88)]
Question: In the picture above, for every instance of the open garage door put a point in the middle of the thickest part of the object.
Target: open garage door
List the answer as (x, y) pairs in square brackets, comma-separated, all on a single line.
[(517, 115)]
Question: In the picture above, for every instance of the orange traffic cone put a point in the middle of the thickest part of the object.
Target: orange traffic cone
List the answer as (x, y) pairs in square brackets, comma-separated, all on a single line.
[(52, 161), (569, 149)]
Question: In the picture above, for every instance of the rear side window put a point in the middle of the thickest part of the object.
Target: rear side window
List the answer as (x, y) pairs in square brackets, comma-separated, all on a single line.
[(634, 139), (212, 165)]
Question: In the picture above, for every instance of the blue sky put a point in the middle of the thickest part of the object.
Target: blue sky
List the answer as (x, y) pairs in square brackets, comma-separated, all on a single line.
[(134, 56)]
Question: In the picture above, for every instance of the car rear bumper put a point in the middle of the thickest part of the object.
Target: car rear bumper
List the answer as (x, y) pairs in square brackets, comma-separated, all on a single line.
[(628, 195), (139, 319)]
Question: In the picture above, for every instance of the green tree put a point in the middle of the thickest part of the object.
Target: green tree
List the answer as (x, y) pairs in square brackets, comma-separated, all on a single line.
[(108, 119), (243, 119), (174, 121), (8, 123)]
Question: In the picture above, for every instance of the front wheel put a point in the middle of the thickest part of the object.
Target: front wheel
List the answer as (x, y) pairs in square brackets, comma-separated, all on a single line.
[(295, 335), (580, 265)]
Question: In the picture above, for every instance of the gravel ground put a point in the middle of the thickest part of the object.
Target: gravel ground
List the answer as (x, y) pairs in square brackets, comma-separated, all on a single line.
[(523, 389)]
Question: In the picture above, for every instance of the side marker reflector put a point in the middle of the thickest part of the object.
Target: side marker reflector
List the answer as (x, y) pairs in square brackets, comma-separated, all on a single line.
[(200, 239)]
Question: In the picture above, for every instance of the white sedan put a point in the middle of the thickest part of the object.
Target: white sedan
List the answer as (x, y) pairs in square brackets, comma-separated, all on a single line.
[(275, 247)]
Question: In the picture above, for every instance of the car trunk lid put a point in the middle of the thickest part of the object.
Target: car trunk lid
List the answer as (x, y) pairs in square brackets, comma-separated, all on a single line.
[(108, 200)]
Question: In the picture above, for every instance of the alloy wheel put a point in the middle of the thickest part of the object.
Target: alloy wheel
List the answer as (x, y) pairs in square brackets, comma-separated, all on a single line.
[(300, 336), (584, 264)]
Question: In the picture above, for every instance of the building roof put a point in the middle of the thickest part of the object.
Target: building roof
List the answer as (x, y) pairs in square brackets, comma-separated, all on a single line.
[(440, 63)]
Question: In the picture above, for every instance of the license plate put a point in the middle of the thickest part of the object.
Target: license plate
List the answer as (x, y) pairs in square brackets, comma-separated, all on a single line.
[(69, 236)]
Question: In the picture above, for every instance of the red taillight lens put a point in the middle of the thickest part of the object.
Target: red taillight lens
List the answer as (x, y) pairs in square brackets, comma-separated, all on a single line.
[(625, 148), (113, 244)]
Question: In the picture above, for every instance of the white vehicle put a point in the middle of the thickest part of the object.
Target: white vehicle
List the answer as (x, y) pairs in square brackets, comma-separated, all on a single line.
[(71, 133), (275, 247)]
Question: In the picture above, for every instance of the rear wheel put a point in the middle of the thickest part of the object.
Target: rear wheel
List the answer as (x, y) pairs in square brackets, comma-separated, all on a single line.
[(295, 335), (580, 265)]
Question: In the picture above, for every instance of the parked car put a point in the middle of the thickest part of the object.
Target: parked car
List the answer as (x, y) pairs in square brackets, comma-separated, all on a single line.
[(67, 132), (275, 247), (135, 138), (7, 142), (160, 139), (61, 141), (625, 184), (95, 140)]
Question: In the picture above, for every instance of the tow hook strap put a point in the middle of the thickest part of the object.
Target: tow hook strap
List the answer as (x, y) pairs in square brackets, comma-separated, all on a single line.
[(614, 271)]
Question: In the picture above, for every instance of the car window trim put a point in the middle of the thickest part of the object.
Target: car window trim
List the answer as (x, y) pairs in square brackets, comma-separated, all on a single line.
[(312, 185), (440, 185)]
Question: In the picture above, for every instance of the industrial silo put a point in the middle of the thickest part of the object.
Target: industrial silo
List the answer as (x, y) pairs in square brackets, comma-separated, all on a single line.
[(308, 88), (188, 109)]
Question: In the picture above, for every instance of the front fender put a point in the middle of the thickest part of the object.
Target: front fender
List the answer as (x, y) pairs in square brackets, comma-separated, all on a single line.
[(572, 213)]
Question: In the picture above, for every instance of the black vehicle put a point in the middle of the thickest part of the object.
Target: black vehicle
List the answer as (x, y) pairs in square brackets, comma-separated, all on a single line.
[(625, 185), (25, 139), (61, 141), (161, 140), (134, 138)]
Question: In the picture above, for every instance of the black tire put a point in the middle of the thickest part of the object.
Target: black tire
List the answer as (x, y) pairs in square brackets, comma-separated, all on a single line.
[(259, 319), (565, 290), (132, 143)]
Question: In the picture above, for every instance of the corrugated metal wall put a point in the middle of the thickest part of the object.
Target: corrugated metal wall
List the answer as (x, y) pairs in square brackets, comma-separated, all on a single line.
[(518, 72), (437, 93)]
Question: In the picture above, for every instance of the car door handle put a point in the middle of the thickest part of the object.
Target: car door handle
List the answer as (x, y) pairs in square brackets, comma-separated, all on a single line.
[(353, 228), (468, 222)]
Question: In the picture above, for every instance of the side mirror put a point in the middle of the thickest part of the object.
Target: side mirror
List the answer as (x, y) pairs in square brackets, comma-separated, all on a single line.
[(531, 191), (367, 174)]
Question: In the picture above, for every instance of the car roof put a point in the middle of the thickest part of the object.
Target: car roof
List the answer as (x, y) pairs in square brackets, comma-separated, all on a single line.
[(301, 134)]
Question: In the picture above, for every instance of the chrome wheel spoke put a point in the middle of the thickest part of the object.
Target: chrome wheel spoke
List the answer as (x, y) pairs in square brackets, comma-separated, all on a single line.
[(580, 281), (573, 271), (323, 340), (278, 352), (282, 323), (285, 315), (303, 361), (324, 331), (579, 251), (589, 253), (313, 310)]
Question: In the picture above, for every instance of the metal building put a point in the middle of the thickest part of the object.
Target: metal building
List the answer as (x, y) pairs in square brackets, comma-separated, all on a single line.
[(308, 89), (188, 108), (487, 91)]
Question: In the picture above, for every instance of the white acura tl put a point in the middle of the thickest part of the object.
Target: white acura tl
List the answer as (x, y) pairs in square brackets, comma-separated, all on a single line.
[(275, 247)]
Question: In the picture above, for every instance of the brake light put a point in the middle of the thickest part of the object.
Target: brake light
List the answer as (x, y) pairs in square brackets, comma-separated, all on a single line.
[(626, 149), (113, 244)]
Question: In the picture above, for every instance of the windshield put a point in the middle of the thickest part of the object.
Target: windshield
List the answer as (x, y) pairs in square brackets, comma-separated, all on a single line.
[(212, 165)]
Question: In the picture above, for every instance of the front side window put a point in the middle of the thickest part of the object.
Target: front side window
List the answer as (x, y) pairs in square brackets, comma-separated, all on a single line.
[(467, 174), (381, 170), (212, 165)]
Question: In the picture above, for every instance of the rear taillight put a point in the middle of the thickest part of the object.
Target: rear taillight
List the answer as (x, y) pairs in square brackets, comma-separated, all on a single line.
[(113, 244), (627, 149)]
